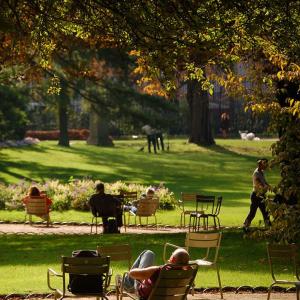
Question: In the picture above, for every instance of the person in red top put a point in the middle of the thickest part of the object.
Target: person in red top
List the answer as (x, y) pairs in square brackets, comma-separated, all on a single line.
[(144, 273), (35, 192)]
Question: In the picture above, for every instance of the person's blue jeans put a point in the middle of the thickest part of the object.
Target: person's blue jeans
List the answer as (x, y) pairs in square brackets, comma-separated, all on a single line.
[(144, 260)]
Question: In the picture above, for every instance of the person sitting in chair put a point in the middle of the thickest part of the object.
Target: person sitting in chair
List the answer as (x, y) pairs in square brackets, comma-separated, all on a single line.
[(148, 195), (35, 192), (143, 274), (105, 206)]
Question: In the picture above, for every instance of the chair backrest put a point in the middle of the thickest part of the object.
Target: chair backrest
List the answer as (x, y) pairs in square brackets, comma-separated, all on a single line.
[(147, 207), (85, 265), (283, 256), (188, 198), (174, 282), (36, 205), (218, 206), (205, 203), (129, 196), (205, 240), (117, 253)]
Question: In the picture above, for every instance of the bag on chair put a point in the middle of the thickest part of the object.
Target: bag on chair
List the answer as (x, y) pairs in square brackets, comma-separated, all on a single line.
[(111, 226), (85, 284)]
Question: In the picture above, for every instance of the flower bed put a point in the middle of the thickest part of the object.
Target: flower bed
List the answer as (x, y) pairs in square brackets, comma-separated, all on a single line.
[(74, 134), (75, 194)]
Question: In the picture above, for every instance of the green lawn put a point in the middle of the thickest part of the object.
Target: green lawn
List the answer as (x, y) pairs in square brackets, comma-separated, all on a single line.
[(224, 169), (24, 259)]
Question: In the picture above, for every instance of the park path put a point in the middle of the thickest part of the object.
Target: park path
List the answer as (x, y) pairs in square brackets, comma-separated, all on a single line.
[(205, 296), (75, 229)]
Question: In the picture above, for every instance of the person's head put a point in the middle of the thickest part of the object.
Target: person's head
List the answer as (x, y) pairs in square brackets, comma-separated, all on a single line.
[(34, 191), (150, 191), (179, 256), (100, 188), (262, 163)]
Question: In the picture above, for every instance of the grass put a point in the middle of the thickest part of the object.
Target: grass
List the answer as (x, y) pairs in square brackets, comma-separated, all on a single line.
[(224, 169), (24, 259)]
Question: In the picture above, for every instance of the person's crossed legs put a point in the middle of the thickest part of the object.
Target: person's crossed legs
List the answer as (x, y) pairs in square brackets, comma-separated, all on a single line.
[(144, 260)]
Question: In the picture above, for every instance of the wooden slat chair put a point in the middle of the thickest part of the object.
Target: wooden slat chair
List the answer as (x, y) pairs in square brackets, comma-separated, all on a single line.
[(205, 208), (284, 257), (187, 200), (80, 266), (173, 282), (146, 208), (37, 206), (129, 197), (202, 240), (117, 253)]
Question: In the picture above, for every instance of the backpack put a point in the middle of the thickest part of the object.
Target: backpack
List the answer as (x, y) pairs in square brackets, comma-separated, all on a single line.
[(111, 226), (85, 284)]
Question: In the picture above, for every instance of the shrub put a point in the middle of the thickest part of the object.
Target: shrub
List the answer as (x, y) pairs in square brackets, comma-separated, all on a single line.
[(76, 193)]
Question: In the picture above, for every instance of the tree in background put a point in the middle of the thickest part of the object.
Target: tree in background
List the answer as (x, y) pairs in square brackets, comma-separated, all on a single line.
[(13, 113)]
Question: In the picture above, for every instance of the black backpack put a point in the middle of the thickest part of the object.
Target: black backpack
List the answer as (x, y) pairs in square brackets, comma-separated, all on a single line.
[(111, 226), (85, 284)]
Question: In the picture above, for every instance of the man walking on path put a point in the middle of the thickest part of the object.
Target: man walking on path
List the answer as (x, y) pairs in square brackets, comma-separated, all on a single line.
[(258, 195)]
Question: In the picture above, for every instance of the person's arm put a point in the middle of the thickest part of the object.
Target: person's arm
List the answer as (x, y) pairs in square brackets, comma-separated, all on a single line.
[(141, 274), (262, 186)]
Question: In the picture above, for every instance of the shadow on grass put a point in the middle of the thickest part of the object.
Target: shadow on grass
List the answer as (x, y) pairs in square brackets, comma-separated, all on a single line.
[(216, 170), (248, 255)]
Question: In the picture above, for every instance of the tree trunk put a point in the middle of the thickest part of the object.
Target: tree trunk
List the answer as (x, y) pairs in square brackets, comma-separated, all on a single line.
[(200, 127), (63, 121), (99, 130)]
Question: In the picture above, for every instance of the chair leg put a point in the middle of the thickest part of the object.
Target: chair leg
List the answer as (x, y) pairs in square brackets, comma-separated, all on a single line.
[(270, 290), (219, 280)]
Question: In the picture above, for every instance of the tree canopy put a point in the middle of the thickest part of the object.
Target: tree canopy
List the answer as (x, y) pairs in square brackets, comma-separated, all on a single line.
[(197, 41)]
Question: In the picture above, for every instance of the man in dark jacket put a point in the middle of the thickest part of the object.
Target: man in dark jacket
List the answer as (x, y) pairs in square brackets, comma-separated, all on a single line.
[(105, 206)]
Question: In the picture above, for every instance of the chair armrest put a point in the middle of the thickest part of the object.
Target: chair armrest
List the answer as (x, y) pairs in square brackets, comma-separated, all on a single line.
[(50, 273), (165, 259)]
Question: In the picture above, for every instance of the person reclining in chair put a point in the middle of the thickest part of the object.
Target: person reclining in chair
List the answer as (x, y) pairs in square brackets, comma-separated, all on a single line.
[(143, 274), (34, 192), (105, 206)]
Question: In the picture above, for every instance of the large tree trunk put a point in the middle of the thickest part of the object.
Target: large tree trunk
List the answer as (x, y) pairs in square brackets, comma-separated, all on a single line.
[(63, 120), (200, 128), (99, 130)]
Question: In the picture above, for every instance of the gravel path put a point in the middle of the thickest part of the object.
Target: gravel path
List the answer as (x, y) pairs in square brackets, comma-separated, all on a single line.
[(75, 229)]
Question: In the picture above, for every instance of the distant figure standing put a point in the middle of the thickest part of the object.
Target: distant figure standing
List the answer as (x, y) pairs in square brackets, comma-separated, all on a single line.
[(151, 137), (225, 124), (258, 195)]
